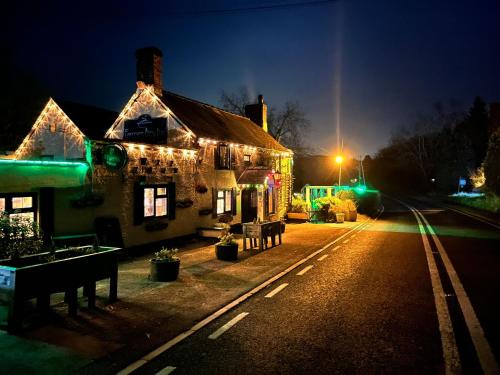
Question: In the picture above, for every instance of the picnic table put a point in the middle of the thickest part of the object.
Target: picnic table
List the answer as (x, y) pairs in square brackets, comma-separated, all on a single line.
[(258, 233)]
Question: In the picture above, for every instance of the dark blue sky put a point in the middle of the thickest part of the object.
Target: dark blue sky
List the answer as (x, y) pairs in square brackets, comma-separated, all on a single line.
[(381, 62)]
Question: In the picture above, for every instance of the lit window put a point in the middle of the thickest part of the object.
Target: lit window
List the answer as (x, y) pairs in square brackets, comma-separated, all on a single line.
[(220, 201), (224, 201), (22, 202), (2, 205), (149, 202), (246, 159), (155, 201), (161, 207)]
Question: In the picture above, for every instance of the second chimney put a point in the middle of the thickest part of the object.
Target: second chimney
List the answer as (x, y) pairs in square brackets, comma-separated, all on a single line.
[(149, 68), (258, 113)]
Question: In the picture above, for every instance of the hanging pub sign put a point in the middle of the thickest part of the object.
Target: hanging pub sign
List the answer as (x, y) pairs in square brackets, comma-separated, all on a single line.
[(146, 129), (114, 156)]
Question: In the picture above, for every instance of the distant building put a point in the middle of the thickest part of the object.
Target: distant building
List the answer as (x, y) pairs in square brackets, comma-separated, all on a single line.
[(161, 168)]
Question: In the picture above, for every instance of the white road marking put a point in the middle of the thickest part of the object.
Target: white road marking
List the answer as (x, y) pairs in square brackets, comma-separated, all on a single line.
[(346, 241), (182, 336), (477, 217), (276, 290), (448, 342), (336, 247), (228, 325), (483, 349), (167, 370), (354, 235), (304, 270), (322, 257)]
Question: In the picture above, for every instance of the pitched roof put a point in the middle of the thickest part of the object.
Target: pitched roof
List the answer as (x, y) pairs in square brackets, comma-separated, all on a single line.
[(92, 121), (207, 121)]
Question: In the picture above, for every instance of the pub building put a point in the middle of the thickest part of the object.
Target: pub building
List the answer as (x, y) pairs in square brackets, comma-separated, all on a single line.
[(164, 167)]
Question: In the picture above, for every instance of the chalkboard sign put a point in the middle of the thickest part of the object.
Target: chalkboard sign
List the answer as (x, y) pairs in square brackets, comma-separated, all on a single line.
[(146, 129)]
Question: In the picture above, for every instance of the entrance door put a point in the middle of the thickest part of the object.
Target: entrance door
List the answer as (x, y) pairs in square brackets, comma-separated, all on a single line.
[(248, 205)]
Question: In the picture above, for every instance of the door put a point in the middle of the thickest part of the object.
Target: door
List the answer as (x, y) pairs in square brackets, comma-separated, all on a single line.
[(248, 205)]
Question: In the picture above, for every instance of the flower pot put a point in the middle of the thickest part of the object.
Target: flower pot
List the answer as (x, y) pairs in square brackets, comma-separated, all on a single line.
[(162, 270), (339, 217), (353, 215), (227, 252)]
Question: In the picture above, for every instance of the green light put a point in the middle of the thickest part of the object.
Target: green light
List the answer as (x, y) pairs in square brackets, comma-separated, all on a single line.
[(51, 163), (360, 189)]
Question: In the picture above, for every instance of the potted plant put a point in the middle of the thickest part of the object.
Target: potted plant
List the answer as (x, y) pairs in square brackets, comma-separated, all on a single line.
[(165, 265), (227, 247), (351, 213), (337, 212)]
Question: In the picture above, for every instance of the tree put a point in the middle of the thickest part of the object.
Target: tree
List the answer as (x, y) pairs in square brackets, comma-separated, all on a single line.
[(475, 127), (287, 124), (491, 163)]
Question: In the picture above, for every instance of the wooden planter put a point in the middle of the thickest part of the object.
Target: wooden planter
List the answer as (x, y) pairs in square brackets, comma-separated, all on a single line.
[(227, 252), (34, 277), (162, 270), (298, 216)]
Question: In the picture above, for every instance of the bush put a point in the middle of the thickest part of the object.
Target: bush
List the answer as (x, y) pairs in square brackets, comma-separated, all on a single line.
[(346, 195), (369, 203), (298, 205), (19, 236), (491, 164)]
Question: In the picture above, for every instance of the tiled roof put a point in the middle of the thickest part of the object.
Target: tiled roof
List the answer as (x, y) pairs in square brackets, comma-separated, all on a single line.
[(207, 121)]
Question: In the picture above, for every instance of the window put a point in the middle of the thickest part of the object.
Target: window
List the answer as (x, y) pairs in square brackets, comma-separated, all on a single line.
[(246, 159), (224, 201), (53, 127), (19, 205), (155, 201), (223, 157)]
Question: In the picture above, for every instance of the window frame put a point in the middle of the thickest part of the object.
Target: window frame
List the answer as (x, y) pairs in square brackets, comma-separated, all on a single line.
[(156, 196), (227, 195), (228, 164), (9, 206), (271, 197)]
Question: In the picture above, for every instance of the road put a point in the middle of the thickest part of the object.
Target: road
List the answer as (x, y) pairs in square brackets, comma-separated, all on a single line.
[(389, 297)]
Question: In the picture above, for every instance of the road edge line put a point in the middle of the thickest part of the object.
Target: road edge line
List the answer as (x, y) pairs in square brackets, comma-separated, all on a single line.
[(481, 344), (174, 341)]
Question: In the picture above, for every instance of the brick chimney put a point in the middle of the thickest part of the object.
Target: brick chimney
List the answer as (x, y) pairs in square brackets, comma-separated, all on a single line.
[(258, 112), (149, 68)]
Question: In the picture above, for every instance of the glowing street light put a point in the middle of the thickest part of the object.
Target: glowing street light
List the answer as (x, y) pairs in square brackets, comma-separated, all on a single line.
[(339, 159)]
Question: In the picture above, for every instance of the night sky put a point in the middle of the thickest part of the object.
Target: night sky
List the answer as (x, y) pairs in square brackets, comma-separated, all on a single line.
[(371, 65)]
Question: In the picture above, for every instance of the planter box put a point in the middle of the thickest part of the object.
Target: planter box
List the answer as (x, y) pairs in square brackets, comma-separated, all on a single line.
[(160, 270), (298, 216), (351, 215), (339, 217), (227, 252), (34, 277)]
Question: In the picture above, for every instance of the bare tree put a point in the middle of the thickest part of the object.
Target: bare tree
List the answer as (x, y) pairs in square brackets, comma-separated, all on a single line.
[(286, 124)]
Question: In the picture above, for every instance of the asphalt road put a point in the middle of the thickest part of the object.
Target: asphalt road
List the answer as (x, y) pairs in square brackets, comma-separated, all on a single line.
[(370, 303)]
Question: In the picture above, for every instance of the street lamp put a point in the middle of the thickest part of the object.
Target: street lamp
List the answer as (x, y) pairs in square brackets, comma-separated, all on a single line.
[(339, 159)]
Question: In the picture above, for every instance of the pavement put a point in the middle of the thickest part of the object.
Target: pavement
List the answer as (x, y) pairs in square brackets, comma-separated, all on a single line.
[(107, 339)]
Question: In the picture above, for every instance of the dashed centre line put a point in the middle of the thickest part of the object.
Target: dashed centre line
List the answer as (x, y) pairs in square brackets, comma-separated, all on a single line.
[(276, 290), (336, 247), (346, 241), (167, 370), (322, 257), (228, 325), (304, 270)]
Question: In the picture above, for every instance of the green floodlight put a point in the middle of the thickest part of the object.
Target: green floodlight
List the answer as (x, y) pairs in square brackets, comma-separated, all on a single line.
[(360, 189)]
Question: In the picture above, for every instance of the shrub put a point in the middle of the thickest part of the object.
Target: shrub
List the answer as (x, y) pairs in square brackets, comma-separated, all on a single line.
[(19, 236), (298, 205), (491, 164), (369, 203), (346, 194)]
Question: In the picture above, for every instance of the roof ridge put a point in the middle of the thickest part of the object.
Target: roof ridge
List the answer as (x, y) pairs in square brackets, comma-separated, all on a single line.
[(208, 105)]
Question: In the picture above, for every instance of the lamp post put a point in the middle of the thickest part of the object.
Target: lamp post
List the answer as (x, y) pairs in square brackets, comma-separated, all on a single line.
[(339, 159)]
